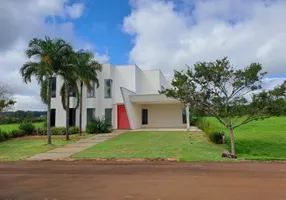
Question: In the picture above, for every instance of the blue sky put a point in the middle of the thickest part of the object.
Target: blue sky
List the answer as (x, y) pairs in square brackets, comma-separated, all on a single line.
[(154, 34), (101, 24)]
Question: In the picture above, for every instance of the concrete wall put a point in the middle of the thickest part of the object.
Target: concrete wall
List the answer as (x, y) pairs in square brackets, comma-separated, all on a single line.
[(164, 116)]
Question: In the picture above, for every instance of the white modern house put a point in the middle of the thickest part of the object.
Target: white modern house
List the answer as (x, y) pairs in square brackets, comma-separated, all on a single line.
[(127, 97)]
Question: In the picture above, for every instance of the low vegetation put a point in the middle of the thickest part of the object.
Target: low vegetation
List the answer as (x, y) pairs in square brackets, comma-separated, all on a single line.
[(178, 145), (98, 125)]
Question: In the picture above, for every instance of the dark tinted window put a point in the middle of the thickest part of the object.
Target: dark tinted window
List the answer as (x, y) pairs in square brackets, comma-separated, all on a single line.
[(108, 115), (144, 116), (54, 87)]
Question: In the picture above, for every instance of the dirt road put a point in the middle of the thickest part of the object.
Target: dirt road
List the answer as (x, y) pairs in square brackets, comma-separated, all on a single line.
[(149, 180)]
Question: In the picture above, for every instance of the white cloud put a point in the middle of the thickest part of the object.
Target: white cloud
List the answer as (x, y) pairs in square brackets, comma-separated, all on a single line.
[(75, 10), (20, 21), (168, 35)]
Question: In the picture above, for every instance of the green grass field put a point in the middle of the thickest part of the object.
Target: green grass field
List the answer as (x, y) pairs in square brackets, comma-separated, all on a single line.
[(157, 145), (24, 147), (260, 140), (10, 127)]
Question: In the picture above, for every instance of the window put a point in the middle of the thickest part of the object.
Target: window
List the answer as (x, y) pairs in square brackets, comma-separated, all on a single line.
[(90, 114), (72, 116), (108, 115), (107, 88), (144, 116), (54, 87), (91, 92), (184, 116), (53, 117)]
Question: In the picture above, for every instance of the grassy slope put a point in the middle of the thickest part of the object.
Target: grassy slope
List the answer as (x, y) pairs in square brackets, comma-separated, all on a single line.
[(157, 145), (21, 148), (261, 140), (10, 127)]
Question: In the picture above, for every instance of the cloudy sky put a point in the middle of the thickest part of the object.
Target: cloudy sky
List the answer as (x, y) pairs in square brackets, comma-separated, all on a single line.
[(161, 34)]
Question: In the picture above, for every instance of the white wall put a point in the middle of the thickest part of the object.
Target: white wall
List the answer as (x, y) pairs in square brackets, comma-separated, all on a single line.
[(150, 81), (164, 116), (124, 77)]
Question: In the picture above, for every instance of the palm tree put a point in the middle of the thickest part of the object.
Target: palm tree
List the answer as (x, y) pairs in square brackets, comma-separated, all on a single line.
[(69, 74), (87, 69), (46, 54)]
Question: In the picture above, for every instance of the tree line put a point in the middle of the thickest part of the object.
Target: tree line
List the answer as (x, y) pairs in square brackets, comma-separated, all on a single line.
[(55, 57)]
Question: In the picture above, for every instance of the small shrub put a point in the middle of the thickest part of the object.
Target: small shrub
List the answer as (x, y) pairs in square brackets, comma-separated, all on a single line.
[(98, 125), (28, 128), (16, 133), (216, 137), (206, 126), (74, 130), (42, 131), (58, 130), (4, 136)]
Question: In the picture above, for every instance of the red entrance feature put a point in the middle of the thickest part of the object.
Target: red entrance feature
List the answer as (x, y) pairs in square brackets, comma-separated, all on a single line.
[(122, 118)]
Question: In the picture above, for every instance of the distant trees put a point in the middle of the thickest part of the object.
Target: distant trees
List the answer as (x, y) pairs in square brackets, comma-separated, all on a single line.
[(233, 97), (6, 99)]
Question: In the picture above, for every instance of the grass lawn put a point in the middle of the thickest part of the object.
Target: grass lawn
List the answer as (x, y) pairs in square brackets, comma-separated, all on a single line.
[(260, 140), (10, 127), (24, 147), (157, 145)]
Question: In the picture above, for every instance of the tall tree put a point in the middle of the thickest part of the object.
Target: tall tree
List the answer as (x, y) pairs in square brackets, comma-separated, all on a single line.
[(87, 69), (69, 74), (6, 99), (233, 97), (46, 58)]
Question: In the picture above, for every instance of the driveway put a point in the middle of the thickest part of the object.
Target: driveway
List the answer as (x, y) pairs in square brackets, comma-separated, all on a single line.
[(55, 180)]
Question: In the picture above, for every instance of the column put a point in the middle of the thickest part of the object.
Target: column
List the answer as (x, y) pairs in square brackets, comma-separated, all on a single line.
[(188, 116)]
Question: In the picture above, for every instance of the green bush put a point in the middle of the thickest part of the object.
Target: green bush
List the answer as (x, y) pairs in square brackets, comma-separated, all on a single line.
[(74, 130), (42, 131), (28, 128), (98, 125), (4, 136), (206, 126), (16, 133), (58, 130), (216, 137), (212, 131)]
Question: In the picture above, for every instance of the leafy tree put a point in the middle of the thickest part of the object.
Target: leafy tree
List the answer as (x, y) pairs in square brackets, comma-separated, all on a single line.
[(87, 69), (233, 97), (6, 101), (46, 60)]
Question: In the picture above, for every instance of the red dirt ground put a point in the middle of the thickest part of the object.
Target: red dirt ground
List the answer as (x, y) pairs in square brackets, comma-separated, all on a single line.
[(82, 180)]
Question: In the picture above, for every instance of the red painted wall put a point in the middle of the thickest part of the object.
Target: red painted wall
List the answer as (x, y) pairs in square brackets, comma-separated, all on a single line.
[(122, 118)]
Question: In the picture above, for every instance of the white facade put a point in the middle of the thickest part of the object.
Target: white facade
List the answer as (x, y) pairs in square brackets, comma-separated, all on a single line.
[(132, 87)]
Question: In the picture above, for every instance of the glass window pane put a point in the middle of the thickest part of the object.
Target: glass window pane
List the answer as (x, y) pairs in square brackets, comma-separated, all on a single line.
[(144, 116), (108, 115), (91, 92), (184, 116), (90, 114), (107, 88), (54, 87)]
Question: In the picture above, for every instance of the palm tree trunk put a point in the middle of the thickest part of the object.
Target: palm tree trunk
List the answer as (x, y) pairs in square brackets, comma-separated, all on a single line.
[(49, 111), (67, 111), (80, 109)]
